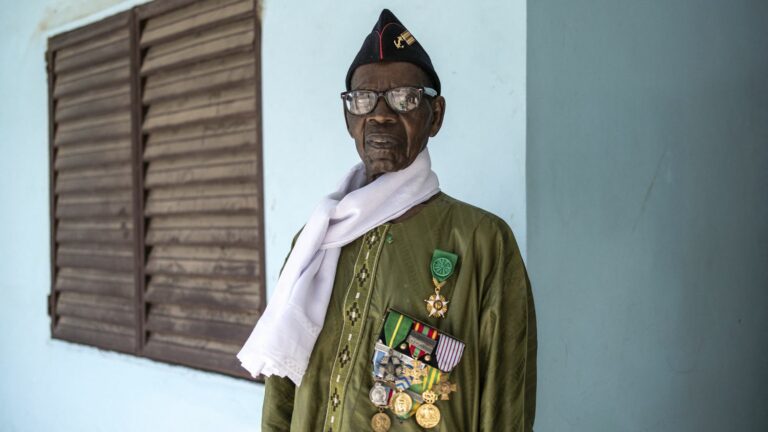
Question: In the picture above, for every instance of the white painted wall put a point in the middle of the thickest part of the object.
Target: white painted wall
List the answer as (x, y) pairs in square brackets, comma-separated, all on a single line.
[(477, 48)]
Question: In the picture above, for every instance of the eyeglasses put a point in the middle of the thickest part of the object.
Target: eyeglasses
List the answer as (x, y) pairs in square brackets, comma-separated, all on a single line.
[(400, 99)]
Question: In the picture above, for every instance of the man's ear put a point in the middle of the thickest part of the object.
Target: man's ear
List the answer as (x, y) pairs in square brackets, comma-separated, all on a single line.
[(438, 112)]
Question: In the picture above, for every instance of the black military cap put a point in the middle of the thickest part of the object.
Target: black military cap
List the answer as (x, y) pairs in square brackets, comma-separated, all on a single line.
[(391, 41)]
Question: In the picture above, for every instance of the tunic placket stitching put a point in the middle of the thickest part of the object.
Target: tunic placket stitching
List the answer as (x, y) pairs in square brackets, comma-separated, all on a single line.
[(361, 285)]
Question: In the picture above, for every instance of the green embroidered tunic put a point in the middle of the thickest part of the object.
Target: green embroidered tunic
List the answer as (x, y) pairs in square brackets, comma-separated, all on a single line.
[(490, 309)]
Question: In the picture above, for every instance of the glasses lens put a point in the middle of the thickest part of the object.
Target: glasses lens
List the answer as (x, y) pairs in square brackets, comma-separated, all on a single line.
[(360, 102), (404, 99)]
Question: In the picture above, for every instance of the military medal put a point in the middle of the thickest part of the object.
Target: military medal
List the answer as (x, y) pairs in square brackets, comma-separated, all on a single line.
[(445, 388), (410, 364), (380, 422), (442, 266), (379, 395), (402, 404), (416, 373), (437, 305), (428, 415), (391, 367)]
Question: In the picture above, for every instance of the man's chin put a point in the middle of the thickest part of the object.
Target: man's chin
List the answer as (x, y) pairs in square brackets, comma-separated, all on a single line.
[(376, 167)]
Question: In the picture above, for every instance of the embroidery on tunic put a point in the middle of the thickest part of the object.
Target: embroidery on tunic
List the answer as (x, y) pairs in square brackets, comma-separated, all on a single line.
[(356, 303)]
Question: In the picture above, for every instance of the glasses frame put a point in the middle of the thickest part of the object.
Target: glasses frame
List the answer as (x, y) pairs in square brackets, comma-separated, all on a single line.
[(423, 91)]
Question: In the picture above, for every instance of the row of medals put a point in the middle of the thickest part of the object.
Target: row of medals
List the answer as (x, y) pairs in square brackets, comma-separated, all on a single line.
[(401, 403)]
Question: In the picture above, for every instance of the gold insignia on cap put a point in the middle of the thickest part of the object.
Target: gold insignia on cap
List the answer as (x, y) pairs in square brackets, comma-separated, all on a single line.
[(406, 37)]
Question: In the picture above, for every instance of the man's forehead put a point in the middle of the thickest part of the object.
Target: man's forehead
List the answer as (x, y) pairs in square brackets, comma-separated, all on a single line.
[(389, 74)]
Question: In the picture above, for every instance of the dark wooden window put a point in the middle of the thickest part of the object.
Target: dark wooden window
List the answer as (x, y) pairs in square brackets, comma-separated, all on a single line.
[(156, 184)]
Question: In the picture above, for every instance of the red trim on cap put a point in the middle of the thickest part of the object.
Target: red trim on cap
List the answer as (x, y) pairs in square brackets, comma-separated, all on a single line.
[(381, 34), (381, 52)]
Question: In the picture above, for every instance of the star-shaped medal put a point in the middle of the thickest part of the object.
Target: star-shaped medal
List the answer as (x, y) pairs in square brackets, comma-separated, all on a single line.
[(437, 305), (390, 367)]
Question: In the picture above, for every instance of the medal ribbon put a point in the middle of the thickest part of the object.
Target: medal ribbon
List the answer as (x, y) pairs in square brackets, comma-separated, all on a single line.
[(426, 331), (443, 264), (433, 376), (396, 328)]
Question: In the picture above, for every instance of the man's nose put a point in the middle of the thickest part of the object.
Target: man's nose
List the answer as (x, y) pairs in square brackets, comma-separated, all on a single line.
[(382, 113)]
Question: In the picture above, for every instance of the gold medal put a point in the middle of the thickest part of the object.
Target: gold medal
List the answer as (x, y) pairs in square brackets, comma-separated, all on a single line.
[(380, 422), (437, 305), (429, 397), (402, 404), (442, 267), (417, 373), (428, 415)]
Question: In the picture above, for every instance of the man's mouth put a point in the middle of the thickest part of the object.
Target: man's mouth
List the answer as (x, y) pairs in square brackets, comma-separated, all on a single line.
[(381, 140)]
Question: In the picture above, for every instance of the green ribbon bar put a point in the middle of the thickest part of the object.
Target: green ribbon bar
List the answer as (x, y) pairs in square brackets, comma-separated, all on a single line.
[(396, 328), (443, 264)]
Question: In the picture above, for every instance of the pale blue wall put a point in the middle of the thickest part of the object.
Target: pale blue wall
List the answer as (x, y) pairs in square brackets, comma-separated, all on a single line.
[(479, 51), (648, 213)]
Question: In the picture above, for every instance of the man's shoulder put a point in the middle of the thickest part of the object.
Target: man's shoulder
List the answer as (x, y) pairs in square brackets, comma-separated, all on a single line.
[(470, 215)]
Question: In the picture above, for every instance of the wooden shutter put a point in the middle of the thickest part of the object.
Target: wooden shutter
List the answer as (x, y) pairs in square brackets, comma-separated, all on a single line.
[(200, 141), (156, 185), (93, 297)]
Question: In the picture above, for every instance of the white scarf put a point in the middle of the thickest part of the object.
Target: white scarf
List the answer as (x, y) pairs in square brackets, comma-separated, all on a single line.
[(285, 335)]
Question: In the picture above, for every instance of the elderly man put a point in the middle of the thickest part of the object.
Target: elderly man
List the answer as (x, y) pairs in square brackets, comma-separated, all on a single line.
[(398, 307)]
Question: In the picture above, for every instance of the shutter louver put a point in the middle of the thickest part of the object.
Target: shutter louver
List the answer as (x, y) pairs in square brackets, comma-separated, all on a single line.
[(156, 188), (200, 147), (93, 260)]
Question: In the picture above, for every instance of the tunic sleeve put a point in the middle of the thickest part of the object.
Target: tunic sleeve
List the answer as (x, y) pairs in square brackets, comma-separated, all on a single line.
[(278, 404), (279, 393), (507, 346)]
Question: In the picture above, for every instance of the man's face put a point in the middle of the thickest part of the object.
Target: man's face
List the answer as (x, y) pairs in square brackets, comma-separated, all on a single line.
[(385, 139)]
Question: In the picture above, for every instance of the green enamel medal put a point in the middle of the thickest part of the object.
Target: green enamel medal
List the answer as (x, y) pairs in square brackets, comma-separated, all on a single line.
[(442, 266)]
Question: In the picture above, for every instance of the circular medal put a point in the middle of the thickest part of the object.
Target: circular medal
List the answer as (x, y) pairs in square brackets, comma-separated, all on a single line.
[(428, 416), (402, 404), (379, 395), (380, 422)]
